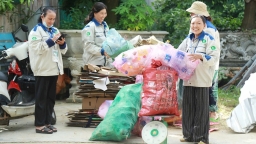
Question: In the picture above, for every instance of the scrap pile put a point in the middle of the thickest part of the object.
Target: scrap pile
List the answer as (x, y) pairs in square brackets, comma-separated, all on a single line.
[(83, 118), (109, 83)]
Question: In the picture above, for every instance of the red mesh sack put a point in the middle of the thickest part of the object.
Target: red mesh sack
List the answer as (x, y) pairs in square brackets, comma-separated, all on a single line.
[(159, 94)]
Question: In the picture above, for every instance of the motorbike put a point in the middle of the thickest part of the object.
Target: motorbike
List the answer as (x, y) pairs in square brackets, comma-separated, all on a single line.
[(17, 95)]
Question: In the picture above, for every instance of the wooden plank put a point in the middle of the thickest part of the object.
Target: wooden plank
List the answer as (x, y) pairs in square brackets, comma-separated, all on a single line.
[(90, 95), (84, 121), (81, 124), (109, 90), (86, 118), (88, 110)]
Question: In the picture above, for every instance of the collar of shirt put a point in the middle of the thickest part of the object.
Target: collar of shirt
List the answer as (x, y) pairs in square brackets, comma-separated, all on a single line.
[(210, 25), (98, 24), (51, 30), (200, 37)]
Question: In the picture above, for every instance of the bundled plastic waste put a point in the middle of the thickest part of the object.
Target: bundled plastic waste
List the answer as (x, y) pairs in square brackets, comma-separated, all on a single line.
[(134, 61), (103, 109), (115, 44), (159, 94), (121, 116)]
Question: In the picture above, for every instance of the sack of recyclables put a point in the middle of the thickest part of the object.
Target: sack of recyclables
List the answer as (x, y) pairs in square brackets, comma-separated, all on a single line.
[(134, 61)]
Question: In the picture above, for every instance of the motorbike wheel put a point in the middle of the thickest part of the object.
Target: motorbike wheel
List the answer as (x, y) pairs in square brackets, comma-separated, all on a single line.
[(3, 121), (54, 118)]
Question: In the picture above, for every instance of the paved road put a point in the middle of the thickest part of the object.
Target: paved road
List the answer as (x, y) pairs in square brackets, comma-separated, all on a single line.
[(22, 131)]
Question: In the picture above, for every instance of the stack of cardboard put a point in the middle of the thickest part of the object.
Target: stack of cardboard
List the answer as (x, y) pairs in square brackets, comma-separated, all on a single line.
[(94, 97), (84, 118)]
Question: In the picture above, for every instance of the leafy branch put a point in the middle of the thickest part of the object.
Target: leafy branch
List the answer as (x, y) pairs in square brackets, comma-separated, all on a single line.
[(6, 5), (22, 15), (134, 15)]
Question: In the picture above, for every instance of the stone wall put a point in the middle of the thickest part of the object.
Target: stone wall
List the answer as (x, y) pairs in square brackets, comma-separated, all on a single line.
[(236, 48)]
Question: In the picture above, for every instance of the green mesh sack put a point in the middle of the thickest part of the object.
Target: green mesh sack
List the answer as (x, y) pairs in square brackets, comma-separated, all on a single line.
[(121, 116)]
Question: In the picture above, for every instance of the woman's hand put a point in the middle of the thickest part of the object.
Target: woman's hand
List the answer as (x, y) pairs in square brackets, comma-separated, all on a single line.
[(61, 42), (106, 55), (56, 37), (194, 57)]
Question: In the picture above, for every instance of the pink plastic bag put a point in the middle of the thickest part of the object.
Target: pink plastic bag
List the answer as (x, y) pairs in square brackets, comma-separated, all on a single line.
[(139, 79), (135, 61), (103, 109)]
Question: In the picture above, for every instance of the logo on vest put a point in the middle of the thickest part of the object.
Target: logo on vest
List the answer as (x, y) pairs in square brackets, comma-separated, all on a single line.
[(34, 38)]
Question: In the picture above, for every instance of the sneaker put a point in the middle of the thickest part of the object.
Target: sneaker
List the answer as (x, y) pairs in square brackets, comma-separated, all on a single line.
[(184, 140), (201, 142)]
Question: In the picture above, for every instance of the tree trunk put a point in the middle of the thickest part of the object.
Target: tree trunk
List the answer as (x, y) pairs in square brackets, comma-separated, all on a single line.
[(111, 19), (249, 15)]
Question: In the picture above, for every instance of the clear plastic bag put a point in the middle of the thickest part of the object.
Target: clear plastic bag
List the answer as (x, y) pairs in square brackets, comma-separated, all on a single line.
[(115, 44)]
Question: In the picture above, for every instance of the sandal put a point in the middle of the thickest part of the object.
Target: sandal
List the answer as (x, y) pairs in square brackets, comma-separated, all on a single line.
[(44, 130), (52, 128)]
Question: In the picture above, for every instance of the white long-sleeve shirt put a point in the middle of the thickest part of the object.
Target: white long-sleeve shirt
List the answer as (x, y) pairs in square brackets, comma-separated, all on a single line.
[(44, 54), (93, 35), (206, 46)]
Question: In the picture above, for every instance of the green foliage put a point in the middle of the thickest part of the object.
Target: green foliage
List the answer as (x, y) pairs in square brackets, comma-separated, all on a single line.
[(172, 16), (229, 97), (134, 15), (84, 6), (229, 17), (6, 5), (24, 13), (18, 15), (22, 1), (76, 11), (75, 20), (222, 74)]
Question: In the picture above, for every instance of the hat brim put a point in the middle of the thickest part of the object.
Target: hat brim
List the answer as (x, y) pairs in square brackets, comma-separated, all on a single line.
[(191, 10)]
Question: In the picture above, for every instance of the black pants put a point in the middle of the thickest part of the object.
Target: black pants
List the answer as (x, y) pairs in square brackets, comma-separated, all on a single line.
[(45, 93), (195, 114)]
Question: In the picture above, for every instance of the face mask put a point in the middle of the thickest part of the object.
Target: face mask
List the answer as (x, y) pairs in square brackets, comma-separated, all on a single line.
[(44, 23)]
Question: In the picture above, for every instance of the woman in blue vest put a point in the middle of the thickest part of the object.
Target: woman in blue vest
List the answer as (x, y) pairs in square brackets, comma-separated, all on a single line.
[(93, 35), (195, 105)]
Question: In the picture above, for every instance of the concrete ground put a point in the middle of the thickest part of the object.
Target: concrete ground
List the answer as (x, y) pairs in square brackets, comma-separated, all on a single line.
[(22, 131)]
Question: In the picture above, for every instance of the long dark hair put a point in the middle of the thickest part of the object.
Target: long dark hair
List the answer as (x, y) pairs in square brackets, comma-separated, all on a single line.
[(209, 18), (44, 13), (98, 6)]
